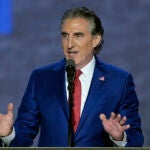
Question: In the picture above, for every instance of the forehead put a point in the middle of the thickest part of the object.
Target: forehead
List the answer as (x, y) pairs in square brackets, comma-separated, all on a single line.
[(76, 24)]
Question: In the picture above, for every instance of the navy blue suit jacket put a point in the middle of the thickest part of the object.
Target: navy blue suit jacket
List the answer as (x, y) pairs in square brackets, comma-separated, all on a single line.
[(44, 107)]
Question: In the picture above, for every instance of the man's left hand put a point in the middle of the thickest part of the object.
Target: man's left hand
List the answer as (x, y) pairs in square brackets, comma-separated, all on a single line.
[(115, 125)]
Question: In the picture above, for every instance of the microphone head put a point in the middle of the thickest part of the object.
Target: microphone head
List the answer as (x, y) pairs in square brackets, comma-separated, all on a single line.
[(70, 68), (70, 64)]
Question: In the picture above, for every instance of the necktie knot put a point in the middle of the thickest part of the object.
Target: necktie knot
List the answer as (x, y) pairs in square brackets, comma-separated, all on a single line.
[(78, 73)]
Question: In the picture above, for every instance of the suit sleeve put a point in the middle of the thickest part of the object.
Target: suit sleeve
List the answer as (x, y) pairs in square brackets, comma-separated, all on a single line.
[(27, 122), (129, 108)]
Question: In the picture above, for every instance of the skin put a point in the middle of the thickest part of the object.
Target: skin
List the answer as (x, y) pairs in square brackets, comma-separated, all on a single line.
[(6, 121), (78, 44), (114, 126), (77, 41)]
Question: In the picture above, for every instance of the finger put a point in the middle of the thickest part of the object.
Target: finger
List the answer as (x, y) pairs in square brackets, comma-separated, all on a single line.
[(113, 116), (118, 118), (103, 117), (125, 127), (10, 108), (123, 120)]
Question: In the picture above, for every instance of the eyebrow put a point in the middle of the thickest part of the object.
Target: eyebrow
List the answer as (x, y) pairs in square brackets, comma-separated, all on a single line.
[(74, 34), (64, 33), (79, 33)]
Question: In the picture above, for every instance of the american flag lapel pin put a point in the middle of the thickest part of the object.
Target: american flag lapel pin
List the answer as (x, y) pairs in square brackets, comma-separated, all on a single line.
[(102, 78)]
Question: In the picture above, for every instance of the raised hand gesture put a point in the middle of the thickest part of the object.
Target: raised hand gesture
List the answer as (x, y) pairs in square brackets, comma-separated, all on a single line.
[(114, 126), (6, 121)]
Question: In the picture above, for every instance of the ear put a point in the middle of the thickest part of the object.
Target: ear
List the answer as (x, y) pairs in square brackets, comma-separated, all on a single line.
[(96, 40)]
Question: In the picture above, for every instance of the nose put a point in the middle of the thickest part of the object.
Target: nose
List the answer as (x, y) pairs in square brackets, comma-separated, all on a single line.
[(70, 43)]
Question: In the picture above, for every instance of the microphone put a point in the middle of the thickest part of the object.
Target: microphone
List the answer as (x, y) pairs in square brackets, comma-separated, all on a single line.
[(70, 68)]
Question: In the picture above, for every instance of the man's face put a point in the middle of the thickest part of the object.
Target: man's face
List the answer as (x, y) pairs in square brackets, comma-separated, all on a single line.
[(78, 42)]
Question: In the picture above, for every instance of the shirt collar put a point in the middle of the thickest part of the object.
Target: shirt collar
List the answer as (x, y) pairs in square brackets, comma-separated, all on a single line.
[(88, 70)]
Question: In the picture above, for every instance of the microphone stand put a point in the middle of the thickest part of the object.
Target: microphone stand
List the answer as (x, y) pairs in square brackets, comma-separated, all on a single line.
[(70, 128), (70, 69)]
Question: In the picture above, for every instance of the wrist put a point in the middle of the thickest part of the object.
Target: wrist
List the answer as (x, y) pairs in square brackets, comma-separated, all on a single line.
[(120, 138), (10, 131), (7, 134)]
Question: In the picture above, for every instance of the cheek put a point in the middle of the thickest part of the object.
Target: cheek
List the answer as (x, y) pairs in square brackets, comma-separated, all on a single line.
[(88, 48), (63, 44)]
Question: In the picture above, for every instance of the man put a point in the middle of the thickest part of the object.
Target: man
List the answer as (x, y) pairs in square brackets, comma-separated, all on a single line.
[(109, 105)]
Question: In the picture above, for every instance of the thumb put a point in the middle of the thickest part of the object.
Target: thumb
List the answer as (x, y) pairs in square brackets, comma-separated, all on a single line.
[(10, 108)]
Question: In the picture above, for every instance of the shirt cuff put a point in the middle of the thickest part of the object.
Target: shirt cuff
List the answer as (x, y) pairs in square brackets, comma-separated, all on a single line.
[(7, 139), (120, 143)]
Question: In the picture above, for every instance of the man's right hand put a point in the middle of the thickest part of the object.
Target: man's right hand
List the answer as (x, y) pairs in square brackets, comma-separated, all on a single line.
[(6, 121)]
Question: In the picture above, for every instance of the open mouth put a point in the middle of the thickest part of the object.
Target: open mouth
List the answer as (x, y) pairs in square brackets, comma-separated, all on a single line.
[(72, 53)]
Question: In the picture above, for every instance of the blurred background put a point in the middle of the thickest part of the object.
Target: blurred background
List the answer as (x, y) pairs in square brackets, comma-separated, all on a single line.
[(30, 38)]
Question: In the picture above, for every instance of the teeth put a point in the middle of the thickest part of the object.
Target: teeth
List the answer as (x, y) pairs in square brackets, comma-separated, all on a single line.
[(72, 52)]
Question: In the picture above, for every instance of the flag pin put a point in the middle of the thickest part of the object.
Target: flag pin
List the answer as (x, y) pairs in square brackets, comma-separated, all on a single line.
[(102, 78)]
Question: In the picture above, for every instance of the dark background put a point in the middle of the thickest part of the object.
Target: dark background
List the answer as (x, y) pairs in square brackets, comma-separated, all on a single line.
[(35, 41)]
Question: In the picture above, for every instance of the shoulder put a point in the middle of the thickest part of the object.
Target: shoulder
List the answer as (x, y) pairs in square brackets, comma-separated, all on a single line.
[(115, 69), (49, 69), (112, 70), (118, 74)]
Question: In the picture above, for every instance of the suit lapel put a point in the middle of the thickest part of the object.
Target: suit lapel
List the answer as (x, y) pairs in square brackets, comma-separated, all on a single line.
[(95, 91), (60, 88)]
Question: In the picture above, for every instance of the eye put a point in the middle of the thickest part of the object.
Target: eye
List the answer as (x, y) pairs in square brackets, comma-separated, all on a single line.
[(64, 35), (78, 34)]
